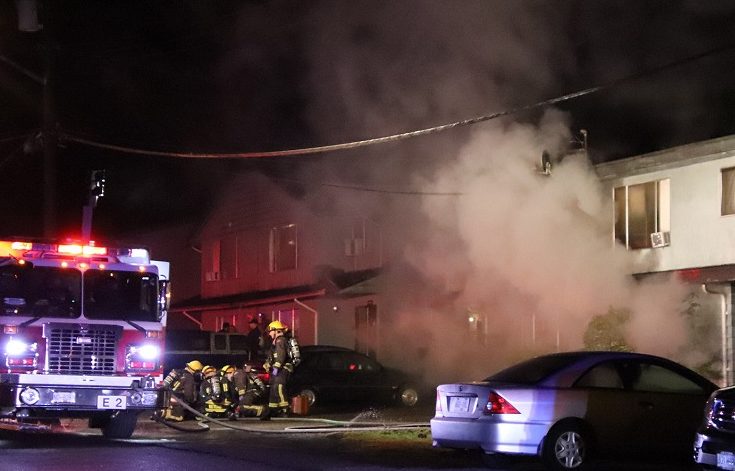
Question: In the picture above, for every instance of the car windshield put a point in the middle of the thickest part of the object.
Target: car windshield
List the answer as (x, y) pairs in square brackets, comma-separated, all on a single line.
[(28, 290), (532, 371), (129, 295)]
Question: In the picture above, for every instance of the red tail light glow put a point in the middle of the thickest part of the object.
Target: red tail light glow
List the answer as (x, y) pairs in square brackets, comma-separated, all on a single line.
[(496, 404)]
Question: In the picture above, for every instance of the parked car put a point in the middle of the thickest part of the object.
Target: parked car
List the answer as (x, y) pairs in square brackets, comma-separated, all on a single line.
[(330, 374), (714, 443), (569, 407)]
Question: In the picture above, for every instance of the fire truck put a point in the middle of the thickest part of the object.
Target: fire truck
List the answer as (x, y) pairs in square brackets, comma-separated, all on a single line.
[(82, 333)]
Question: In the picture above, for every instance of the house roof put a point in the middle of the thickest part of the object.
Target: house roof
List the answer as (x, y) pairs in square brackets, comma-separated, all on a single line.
[(674, 157), (251, 298), (334, 281)]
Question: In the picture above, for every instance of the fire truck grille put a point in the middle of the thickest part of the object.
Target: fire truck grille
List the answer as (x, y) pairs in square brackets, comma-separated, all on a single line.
[(91, 350)]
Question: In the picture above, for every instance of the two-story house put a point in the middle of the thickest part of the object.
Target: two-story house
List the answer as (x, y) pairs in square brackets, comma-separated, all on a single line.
[(675, 210), (272, 251)]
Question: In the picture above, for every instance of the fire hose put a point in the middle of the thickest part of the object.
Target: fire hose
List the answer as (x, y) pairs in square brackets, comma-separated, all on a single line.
[(331, 426)]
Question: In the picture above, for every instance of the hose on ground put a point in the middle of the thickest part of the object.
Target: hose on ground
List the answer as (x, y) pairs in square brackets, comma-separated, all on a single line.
[(334, 425)]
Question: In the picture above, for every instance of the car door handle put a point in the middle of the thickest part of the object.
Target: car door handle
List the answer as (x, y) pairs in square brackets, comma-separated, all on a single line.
[(646, 405)]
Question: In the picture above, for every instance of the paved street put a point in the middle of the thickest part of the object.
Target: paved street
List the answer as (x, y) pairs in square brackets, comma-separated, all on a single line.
[(316, 442)]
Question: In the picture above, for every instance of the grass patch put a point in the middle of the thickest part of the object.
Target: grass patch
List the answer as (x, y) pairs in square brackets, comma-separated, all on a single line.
[(397, 437)]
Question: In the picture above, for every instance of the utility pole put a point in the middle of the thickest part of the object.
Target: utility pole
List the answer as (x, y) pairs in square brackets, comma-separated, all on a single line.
[(48, 129), (28, 16)]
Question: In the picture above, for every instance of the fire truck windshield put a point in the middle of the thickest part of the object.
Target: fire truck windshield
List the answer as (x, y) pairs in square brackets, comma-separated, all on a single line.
[(129, 295), (26, 290)]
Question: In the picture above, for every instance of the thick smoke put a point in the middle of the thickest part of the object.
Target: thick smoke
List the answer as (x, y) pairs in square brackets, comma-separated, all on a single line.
[(519, 262)]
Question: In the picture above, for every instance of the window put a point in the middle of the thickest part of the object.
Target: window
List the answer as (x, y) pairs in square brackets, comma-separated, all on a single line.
[(728, 191), (655, 378), (228, 260), (604, 375), (641, 210), (283, 245), (214, 266)]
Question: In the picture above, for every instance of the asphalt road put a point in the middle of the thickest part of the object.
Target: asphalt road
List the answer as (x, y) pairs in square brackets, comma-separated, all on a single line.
[(299, 443)]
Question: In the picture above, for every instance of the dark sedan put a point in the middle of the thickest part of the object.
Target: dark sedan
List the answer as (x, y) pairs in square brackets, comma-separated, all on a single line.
[(334, 374)]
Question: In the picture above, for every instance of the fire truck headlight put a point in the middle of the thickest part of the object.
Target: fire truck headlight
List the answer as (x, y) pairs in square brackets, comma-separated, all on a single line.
[(147, 352), (30, 396), (16, 347)]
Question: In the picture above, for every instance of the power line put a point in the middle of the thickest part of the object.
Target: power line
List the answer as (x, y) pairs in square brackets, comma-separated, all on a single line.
[(399, 136), (374, 190)]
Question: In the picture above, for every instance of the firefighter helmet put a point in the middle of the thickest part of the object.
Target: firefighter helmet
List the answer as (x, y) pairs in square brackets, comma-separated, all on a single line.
[(194, 365), (227, 369), (208, 371), (276, 325)]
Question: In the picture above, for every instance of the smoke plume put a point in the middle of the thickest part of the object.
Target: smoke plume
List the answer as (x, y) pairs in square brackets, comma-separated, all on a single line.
[(508, 261)]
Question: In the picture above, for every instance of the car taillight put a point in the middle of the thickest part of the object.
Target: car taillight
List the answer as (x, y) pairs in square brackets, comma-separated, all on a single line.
[(496, 404)]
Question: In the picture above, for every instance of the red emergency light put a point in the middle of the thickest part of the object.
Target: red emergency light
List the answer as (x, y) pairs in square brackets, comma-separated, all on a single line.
[(86, 250)]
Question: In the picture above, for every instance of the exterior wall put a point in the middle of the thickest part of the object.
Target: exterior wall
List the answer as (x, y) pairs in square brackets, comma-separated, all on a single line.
[(245, 218), (700, 236)]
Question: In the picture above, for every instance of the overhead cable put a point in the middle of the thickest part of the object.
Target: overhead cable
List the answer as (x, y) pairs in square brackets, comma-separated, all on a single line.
[(400, 136)]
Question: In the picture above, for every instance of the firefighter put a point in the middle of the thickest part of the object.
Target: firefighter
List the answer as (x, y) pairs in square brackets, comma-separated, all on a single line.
[(276, 365), (214, 393), (183, 384), (227, 374), (250, 391)]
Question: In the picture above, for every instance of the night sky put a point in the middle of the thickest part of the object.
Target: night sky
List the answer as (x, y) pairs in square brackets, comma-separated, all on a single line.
[(247, 76)]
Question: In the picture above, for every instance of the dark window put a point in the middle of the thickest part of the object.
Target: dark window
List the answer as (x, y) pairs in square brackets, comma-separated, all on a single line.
[(283, 248), (533, 370), (110, 294), (238, 342), (604, 375), (40, 291), (655, 378)]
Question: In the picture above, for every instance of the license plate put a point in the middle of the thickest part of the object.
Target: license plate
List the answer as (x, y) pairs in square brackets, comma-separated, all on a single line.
[(726, 460), (459, 404), (65, 397), (111, 402)]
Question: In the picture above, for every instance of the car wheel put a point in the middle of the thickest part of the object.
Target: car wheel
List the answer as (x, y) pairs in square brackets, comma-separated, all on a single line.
[(408, 396), (566, 447), (310, 395)]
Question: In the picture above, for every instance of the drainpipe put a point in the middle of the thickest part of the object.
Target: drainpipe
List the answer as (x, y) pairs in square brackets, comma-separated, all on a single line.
[(722, 292), (316, 319)]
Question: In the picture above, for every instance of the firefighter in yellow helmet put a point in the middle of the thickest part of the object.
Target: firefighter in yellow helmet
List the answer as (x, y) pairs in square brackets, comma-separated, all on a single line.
[(183, 385), (250, 391), (275, 364), (214, 393)]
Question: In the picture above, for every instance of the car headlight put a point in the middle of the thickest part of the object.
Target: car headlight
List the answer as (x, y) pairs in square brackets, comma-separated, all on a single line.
[(16, 347), (145, 352), (142, 357)]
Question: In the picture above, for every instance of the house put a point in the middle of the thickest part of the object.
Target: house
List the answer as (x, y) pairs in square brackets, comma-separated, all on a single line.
[(272, 251), (275, 249), (675, 210)]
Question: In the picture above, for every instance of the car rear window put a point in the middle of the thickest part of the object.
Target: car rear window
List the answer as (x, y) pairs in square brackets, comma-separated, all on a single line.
[(532, 371)]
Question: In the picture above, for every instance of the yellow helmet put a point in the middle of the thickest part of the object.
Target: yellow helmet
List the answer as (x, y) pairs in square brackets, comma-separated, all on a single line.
[(227, 369), (194, 365), (209, 370), (276, 325)]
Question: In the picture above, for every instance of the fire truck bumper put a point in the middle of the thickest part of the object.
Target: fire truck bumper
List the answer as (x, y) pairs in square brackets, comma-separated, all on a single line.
[(26, 395)]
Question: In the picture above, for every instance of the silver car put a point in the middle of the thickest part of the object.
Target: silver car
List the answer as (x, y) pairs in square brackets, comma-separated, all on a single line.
[(568, 407)]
